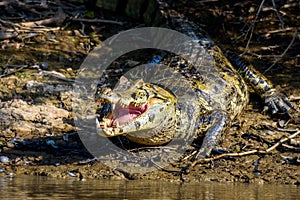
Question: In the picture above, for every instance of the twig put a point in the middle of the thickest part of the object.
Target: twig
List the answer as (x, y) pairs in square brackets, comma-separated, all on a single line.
[(57, 19), (291, 147), (9, 23), (286, 130), (20, 68), (284, 52), (282, 141), (10, 59), (255, 20), (164, 169), (252, 26), (98, 21), (38, 29), (147, 148), (205, 1), (4, 3), (278, 15), (295, 142), (30, 7), (56, 75), (7, 35), (42, 72), (279, 30), (19, 28), (201, 160)]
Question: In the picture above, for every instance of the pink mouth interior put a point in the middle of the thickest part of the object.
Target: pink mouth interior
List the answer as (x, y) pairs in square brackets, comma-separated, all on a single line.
[(122, 114)]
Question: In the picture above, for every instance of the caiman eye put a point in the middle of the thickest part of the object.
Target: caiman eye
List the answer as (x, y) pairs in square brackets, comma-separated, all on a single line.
[(139, 95)]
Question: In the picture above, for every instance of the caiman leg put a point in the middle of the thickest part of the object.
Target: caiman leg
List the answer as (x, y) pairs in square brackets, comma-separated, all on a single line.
[(275, 102), (213, 134)]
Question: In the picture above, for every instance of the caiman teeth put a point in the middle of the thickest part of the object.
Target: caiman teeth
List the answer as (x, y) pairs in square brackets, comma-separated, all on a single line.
[(100, 126), (100, 100), (123, 105)]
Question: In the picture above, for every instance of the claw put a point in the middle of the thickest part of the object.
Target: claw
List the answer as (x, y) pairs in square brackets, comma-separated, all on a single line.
[(278, 103), (287, 102)]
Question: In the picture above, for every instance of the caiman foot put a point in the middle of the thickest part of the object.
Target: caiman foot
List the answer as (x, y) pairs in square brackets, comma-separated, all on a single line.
[(277, 103)]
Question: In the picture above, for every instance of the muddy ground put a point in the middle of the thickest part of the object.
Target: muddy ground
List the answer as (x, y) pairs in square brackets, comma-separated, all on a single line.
[(29, 51)]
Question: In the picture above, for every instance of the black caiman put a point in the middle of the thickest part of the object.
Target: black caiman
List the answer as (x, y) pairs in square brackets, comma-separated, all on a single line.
[(151, 114)]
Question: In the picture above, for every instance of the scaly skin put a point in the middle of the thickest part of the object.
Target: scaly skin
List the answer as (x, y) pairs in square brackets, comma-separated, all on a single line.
[(154, 114)]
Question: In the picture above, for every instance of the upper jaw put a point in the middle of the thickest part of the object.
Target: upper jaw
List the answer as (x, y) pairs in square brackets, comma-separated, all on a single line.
[(118, 98)]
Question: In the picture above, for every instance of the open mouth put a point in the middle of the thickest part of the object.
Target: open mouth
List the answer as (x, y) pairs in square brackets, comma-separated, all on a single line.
[(120, 114)]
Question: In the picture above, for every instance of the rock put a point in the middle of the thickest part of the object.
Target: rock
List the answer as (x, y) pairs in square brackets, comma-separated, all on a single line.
[(35, 107), (23, 118), (4, 159), (44, 65)]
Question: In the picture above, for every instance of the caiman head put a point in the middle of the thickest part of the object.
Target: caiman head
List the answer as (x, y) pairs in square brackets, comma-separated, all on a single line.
[(143, 112)]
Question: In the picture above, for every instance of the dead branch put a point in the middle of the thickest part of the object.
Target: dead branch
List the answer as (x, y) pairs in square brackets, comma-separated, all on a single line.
[(279, 30), (278, 15), (24, 5), (281, 141), (202, 160), (98, 21), (295, 142), (4, 3), (18, 69), (17, 28), (39, 29), (6, 35), (251, 28), (57, 19), (8, 23), (291, 147), (284, 52), (56, 75)]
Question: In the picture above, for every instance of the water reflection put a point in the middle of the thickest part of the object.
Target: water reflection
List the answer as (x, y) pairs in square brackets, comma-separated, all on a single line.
[(48, 188)]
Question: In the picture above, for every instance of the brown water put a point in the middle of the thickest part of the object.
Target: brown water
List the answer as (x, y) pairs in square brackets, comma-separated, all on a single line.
[(49, 188)]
